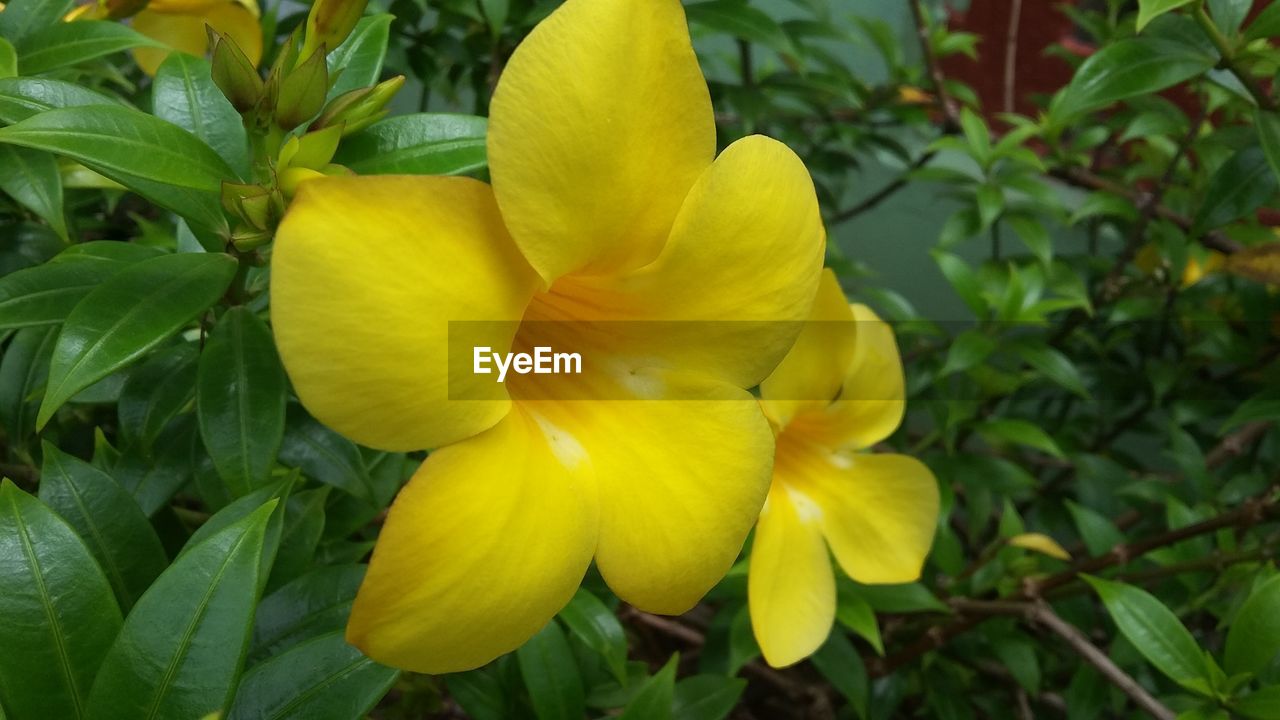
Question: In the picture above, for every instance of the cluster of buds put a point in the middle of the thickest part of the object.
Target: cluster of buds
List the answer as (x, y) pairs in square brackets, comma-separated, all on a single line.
[(295, 132)]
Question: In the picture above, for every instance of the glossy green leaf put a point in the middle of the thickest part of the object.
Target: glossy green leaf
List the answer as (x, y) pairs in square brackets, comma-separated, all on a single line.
[(60, 617), (8, 59), (592, 622), (184, 94), (742, 21), (1153, 629), (31, 177), (840, 664), (1019, 656), (359, 57), (303, 524), (68, 43), (1261, 705), (1228, 15), (1268, 124), (1242, 185), (312, 605), (108, 520), (1053, 365), (706, 697), (153, 477), (1149, 10), (656, 698), (275, 495), (22, 18), (156, 391), (321, 679), (23, 371), (20, 98), (422, 144), (1263, 406), (46, 294), (962, 280), (1019, 432), (183, 646), (971, 348), (241, 394), (158, 160), (1265, 25), (1097, 532), (1254, 638), (551, 675), (324, 455), (854, 612), (906, 598), (137, 309), (1128, 68)]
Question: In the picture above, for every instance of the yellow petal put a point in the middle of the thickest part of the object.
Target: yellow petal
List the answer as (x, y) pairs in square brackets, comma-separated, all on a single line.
[(790, 586), (814, 369), (599, 126), (485, 544), (184, 31), (879, 512), (733, 286), (872, 397), (1040, 543), (681, 482), (367, 274)]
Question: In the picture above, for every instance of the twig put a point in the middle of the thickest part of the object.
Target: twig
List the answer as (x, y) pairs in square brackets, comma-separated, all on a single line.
[(945, 104), (1228, 52), (889, 190), (1040, 615), (1011, 56)]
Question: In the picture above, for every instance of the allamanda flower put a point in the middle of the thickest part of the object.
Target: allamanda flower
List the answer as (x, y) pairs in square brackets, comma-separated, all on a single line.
[(608, 210), (836, 393), (180, 25)]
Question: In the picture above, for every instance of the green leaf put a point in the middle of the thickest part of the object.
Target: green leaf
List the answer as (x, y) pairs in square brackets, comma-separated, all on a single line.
[(108, 519), (1019, 655), (1268, 124), (183, 93), (153, 478), (24, 17), (20, 98), (275, 495), (241, 394), (1263, 406), (132, 312), (359, 57), (324, 455), (1265, 25), (321, 679), (68, 43), (962, 280), (905, 598), (990, 203), (1053, 365), (59, 615), (8, 59), (742, 21), (1019, 432), (1098, 533), (1254, 638), (1242, 185), (656, 697), (299, 535), (182, 647), (422, 144), (1136, 66), (841, 665), (1153, 630), (314, 604), (46, 294), (495, 15), (31, 177), (155, 392), (854, 612), (1149, 10), (1261, 705), (596, 626), (23, 371), (551, 675), (1229, 14), (706, 697), (1034, 235), (158, 160), (971, 348)]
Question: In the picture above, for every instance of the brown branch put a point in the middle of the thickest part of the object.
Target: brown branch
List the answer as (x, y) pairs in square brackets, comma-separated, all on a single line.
[(1011, 56), (945, 104), (1039, 615)]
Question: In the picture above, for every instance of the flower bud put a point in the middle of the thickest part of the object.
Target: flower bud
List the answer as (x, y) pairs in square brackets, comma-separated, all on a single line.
[(329, 23), (302, 93), (313, 150), (234, 75), (291, 178), (360, 108)]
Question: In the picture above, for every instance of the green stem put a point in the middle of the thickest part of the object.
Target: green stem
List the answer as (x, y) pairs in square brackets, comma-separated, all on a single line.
[(1225, 47)]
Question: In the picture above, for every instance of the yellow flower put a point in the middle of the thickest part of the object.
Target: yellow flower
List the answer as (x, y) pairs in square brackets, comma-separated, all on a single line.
[(180, 25), (608, 209), (838, 391)]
